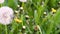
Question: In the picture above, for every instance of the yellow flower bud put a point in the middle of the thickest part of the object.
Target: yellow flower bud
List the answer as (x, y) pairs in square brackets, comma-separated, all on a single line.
[(53, 10), (18, 20)]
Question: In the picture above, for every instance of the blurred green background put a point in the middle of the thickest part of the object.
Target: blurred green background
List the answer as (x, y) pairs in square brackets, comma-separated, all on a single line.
[(37, 17)]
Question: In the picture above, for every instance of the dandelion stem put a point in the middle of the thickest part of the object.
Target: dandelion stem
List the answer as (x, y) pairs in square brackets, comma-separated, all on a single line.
[(22, 19), (22, 4), (22, 14), (6, 29), (0, 5)]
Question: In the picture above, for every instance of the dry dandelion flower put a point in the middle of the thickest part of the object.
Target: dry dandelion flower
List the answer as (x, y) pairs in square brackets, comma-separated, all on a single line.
[(36, 28)]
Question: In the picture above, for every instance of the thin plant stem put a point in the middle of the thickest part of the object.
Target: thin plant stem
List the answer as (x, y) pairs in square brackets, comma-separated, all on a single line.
[(0, 5), (6, 29), (23, 4), (23, 14)]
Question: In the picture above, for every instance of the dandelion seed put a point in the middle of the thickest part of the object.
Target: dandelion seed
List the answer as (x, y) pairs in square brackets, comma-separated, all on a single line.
[(6, 15), (1, 1), (23, 0)]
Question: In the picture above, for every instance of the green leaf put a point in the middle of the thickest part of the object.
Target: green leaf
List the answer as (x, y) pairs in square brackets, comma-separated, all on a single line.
[(13, 3)]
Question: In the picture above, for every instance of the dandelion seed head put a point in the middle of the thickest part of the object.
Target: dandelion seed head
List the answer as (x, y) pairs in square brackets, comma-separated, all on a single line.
[(23, 0), (6, 15), (1, 1)]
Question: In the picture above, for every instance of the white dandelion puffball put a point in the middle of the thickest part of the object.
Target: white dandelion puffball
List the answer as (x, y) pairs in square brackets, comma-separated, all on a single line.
[(23, 0), (6, 15), (1, 1)]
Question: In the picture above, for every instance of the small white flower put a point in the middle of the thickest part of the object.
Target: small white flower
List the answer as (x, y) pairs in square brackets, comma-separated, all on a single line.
[(44, 12), (26, 16), (59, 2), (16, 11), (1, 1), (6, 15), (18, 5), (21, 8), (24, 27), (23, 0)]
